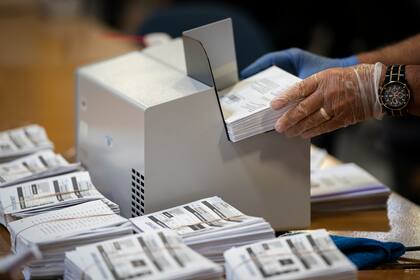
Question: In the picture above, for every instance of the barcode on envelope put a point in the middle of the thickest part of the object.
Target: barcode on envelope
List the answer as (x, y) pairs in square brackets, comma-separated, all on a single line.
[(5, 147), (233, 98)]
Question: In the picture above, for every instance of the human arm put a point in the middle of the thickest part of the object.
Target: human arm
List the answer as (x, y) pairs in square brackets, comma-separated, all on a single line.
[(341, 92), (413, 81), (405, 52), (303, 63), (348, 96)]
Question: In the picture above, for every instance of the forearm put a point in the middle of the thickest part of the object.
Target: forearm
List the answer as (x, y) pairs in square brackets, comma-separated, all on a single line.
[(405, 52), (413, 80)]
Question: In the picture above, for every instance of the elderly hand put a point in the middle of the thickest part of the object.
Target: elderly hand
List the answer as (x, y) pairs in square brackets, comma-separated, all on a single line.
[(297, 62), (329, 100)]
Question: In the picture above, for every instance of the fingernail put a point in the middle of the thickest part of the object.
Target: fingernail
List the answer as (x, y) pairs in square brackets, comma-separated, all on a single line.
[(279, 128), (276, 104), (273, 104)]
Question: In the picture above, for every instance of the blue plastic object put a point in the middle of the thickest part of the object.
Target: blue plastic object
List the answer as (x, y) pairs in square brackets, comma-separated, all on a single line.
[(365, 252), (297, 62)]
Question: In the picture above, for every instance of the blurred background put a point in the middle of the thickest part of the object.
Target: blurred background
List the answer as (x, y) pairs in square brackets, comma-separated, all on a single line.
[(42, 43)]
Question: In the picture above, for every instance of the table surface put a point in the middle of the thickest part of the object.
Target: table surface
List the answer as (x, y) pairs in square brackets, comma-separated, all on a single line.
[(38, 57)]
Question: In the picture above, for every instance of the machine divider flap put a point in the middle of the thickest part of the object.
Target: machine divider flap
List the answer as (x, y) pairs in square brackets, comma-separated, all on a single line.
[(210, 57)]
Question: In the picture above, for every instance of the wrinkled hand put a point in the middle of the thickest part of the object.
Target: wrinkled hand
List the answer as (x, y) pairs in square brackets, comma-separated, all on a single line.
[(329, 100), (297, 62)]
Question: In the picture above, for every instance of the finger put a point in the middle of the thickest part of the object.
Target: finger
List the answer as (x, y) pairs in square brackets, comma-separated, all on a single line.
[(301, 111), (325, 127), (295, 93), (308, 123), (281, 59)]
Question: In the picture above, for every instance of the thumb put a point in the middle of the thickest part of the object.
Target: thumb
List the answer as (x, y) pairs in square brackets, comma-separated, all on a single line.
[(280, 59)]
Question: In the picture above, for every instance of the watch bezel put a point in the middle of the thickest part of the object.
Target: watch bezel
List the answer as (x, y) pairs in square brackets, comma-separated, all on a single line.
[(381, 96)]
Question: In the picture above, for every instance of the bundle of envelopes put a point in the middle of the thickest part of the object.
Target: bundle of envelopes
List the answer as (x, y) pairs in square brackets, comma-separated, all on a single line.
[(41, 164), (152, 255), (346, 187), (246, 105), (309, 255), (10, 265), (63, 230), (43, 195), (210, 226), (22, 141)]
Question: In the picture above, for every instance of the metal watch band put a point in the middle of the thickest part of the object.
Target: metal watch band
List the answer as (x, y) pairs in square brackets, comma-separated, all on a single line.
[(395, 73)]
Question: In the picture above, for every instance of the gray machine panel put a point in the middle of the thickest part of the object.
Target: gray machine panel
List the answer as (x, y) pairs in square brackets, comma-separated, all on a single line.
[(153, 138)]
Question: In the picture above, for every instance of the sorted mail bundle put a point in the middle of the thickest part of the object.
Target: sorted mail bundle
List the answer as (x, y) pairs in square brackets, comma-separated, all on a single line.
[(22, 141), (152, 255), (40, 196), (246, 105), (210, 226), (311, 255), (11, 264), (38, 165), (346, 187), (62, 230)]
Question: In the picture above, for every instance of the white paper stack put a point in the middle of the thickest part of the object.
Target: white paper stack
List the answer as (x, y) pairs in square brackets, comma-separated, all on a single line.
[(153, 255), (246, 105), (22, 141), (346, 187), (12, 264), (63, 230), (48, 194), (210, 226), (38, 165), (311, 255)]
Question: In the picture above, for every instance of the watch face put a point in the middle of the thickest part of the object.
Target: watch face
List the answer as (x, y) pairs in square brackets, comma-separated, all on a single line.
[(395, 95)]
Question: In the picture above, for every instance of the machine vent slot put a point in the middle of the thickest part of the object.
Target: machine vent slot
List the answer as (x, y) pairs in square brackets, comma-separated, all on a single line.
[(137, 193)]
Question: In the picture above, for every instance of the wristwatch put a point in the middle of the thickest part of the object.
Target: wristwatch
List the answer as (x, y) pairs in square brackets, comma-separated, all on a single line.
[(394, 95)]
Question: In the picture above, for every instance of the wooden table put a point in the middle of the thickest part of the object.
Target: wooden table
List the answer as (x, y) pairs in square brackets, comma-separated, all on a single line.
[(399, 222), (37, 62)]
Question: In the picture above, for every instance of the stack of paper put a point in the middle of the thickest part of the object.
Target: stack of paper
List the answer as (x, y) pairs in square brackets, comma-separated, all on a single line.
[(40, 196), (62, 230), (154, 255), (311, 255), (22, 141), (246, 105), (38, 165), (210, 226), (11, 265), (346, 187)]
